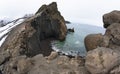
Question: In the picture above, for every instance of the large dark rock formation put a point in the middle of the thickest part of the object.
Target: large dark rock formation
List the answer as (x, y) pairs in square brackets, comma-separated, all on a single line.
[(110, 18), (28, 37)]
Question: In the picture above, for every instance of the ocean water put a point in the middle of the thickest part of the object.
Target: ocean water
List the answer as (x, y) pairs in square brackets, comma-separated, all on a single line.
[(74, 42)]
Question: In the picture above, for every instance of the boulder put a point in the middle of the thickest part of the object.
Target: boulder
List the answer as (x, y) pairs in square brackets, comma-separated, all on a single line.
[(67, 22), (70, 30), (110, 18), (102, 60), (92, 41)]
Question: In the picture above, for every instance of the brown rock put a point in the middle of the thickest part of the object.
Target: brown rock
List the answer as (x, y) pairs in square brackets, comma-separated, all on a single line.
[(29, 37), (23, 66), (102, 60), (92, 41), (52, 56), (116, 70), (113, 32), (110, 18)]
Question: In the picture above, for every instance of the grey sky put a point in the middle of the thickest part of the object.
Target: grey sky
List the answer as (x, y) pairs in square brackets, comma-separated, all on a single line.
[(82, 11)]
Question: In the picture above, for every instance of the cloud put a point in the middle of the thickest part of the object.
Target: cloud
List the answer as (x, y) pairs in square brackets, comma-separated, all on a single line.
[(85, 9)]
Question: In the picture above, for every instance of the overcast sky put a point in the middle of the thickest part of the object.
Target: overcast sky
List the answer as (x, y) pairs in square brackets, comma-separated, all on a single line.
[(82, 11)]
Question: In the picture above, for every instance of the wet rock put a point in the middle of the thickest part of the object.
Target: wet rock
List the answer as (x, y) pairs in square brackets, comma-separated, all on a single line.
[(67, 22), (102, 60), (110, 18), (71, 30), (92, 41)]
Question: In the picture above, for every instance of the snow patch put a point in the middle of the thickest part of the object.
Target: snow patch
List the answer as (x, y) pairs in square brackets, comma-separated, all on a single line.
[(6, 29)]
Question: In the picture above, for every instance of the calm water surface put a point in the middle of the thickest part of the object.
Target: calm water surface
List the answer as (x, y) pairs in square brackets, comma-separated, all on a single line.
[(74, 43)]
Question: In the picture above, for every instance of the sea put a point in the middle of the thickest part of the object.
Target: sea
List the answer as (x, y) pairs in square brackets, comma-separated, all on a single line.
[(74, 42)]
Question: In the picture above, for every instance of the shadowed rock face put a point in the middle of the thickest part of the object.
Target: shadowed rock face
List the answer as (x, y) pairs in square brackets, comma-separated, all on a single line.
[(28, 37), (110, 18)]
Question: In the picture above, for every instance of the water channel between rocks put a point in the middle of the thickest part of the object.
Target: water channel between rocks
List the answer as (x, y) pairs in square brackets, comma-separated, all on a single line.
[(74, 43)]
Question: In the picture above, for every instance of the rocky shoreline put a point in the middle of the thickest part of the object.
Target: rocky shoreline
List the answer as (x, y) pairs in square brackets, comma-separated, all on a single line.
[(26, 50)]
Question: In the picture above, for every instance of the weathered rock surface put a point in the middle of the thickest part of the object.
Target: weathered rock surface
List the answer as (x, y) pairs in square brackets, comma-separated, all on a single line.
[(111, 38), (26, 45), (110, 18), (102, 60), (40, 65), (93, 41), (113, 32), (28, 37), (105, 59), (116, 70)]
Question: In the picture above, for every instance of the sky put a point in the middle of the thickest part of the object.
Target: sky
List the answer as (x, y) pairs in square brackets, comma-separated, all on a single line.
[(79, 11)]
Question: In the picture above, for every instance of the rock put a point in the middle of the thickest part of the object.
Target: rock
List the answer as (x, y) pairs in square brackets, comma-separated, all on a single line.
[(54, 24), (70, 30), (23, 66), (52, 56), (92, 41), (77, 61), (67, 22), (110, 18), (113, 32), (29, 37), (116, 70), (4, 57), (102, 60)]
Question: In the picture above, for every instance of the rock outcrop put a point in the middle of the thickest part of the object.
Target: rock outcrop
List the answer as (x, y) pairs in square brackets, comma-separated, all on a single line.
[(40, 65), (102, 60), (32, 38), (105, 59), (110, 18), (28, 37)]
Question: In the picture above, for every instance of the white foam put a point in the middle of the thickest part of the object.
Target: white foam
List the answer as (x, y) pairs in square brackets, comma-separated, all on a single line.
[(55, 48), (77, 42)]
